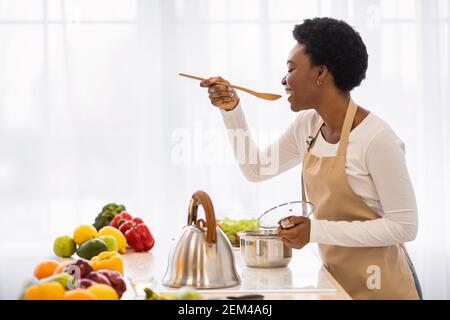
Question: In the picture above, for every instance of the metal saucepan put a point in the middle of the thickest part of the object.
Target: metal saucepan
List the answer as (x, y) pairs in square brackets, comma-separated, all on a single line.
[(264, 248)]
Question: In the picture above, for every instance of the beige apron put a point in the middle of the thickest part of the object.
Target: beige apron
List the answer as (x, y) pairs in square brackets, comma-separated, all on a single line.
[(364, 272)]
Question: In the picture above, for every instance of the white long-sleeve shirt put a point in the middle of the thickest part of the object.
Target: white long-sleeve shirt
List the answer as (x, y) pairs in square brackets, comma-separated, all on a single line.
[(376, 171)]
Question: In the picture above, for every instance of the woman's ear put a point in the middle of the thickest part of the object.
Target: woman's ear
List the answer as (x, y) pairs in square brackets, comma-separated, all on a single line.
[(322, 73)]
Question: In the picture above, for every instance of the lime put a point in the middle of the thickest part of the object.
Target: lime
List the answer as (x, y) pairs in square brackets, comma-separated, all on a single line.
[(91, 248), (64, 246)]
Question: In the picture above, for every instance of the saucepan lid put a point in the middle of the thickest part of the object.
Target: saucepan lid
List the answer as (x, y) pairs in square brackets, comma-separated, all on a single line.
[(271, 218)]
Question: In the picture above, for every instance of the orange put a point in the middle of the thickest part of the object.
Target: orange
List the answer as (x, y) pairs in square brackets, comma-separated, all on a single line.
[(62, 265), (79, 294), (103, 292), (45, 269), (45, 291)]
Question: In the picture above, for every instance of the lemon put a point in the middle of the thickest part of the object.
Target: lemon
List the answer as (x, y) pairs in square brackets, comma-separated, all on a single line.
[(84, 233), (111, 231), (103, 292)]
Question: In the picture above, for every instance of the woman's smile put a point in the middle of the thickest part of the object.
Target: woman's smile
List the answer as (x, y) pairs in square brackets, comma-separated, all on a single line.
[(289, 92)]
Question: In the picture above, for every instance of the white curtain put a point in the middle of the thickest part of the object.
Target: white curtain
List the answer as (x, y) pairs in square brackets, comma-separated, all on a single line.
[(92, 111)]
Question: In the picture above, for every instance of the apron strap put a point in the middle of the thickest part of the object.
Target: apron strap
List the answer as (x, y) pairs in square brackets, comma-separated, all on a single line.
[(303, 187), (304, 200), (310, 142), (312, 139), (343, 141), (347, 127)]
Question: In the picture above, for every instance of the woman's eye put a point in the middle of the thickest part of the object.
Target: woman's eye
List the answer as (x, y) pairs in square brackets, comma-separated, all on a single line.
[(290, 70)]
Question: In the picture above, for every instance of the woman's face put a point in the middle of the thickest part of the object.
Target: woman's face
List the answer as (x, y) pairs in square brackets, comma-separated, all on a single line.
[(300, 81)]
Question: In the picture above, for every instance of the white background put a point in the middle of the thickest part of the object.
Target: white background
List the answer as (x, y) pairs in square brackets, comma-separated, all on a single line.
[(90, 100)]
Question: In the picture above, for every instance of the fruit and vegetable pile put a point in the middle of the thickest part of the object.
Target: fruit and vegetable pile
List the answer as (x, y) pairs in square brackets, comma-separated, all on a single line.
[(98, 271), (81, 279), (232, 227)]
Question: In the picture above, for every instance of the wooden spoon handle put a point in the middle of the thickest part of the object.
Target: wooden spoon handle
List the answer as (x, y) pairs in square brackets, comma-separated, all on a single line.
[(218, 82), (267, 96), (192, 77)]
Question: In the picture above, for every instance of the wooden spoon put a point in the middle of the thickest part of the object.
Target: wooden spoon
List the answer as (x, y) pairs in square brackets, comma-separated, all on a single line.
[(266, 96)]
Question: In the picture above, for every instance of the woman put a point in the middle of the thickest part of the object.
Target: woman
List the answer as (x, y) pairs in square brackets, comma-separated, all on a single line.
[(354, 169)]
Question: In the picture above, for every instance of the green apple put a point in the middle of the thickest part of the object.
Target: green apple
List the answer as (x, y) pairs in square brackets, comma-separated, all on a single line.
[(111, 242), (67, 281)]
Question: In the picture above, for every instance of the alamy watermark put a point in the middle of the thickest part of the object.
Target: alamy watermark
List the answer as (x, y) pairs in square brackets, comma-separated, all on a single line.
[(374, 280), (210, 146)]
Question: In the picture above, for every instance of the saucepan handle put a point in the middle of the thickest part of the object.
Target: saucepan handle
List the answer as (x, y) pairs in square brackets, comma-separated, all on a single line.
[(202, 198)]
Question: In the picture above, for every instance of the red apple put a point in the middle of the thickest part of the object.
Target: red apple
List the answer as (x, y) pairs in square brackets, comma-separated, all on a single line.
[(86, 283), (80, 268), (98, 278), (116, 280)]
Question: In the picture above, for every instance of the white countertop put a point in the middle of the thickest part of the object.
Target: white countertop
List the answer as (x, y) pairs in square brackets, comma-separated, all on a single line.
[(304, 278)]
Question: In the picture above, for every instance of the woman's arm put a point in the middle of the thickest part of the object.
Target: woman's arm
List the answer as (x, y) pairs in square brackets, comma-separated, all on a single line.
[(385, 160), (258, 165)]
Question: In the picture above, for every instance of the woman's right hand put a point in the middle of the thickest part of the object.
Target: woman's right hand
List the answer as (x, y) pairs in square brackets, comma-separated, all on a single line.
[(221, 96)]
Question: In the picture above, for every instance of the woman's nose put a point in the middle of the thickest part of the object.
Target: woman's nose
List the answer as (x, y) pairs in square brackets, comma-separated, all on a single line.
[(283, 81)]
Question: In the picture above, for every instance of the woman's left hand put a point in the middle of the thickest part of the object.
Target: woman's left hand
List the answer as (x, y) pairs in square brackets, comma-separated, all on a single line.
[(296, 237)]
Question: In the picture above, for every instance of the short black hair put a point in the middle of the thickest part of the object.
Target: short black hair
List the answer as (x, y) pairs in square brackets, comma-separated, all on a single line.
[(335, 44)]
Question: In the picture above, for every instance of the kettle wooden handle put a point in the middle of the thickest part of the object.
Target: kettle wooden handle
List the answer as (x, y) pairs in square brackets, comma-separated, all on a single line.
[(202, 198)]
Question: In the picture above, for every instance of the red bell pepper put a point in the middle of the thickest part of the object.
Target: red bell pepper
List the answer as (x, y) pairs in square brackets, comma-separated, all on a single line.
[(140, 238), (138, 235), (119, 219), (128, 224)]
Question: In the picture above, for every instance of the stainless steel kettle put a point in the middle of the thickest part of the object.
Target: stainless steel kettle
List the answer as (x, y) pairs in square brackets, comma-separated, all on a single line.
[(202, 256)]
